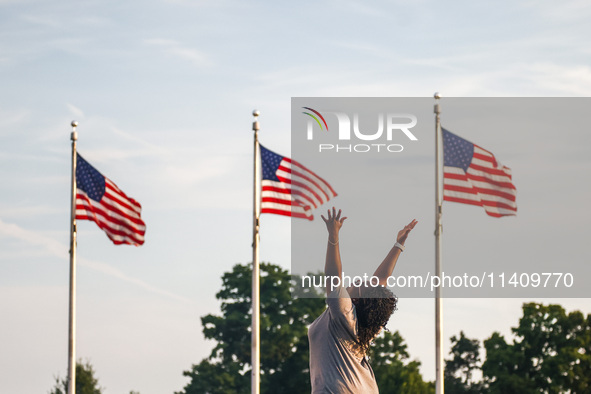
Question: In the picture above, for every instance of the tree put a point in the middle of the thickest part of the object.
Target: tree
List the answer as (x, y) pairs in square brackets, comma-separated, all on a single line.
[(286, 312), (86, 382), (551, 353), (284, 335), (388, 357), (460, 368)]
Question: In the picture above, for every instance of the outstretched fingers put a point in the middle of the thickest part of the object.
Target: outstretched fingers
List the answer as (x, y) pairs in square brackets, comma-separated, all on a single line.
[(411, 225), (333, 216), (328, 215), (403, 234), (338, 215)]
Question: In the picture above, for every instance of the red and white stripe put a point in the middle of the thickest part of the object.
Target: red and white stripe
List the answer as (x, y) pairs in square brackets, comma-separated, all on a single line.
[(116, 214), (486, 183), (298, 192)]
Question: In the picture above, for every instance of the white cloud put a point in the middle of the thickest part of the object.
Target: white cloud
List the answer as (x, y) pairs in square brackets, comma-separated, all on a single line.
[(10, 118), (11, 211), (43, 20), (564, 80), (569, 10), (60, 250), (50, 245), (115, 273), (175, 48), (100, 133), (63, 21), (77, 112), (452, 77)]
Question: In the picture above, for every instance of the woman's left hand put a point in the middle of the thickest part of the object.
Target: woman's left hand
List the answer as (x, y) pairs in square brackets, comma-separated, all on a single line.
[(403, 234)]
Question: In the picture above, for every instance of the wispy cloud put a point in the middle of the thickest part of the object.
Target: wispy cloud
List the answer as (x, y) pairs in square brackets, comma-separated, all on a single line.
[(13, 117), (62, 21), (360, 8), (564, 80), (568, 11), (43, 20), (451, 76), (28, 211), (193, 171), (98, 133), (50, 245), (150, 147), (60, 250), (77, 112), (175, 48), (115, 273)]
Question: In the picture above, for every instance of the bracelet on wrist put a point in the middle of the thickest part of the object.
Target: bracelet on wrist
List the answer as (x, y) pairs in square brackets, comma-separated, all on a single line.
[(399, 246), (333, 243)]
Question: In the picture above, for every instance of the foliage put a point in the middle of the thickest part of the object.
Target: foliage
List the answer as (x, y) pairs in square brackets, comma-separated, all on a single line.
[(284, 335), (394, 374), (86, 382), (459, 369), (550, 354), (286, 312)]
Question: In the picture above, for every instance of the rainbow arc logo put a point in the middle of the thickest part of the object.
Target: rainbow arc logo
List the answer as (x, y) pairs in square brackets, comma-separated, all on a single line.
[(315, 118)]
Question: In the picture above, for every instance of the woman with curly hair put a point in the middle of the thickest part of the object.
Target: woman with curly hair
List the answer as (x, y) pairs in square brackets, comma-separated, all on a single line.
[(340, 337)]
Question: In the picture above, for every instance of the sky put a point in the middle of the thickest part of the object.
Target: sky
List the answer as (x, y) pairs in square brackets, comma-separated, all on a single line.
[(164, 92)]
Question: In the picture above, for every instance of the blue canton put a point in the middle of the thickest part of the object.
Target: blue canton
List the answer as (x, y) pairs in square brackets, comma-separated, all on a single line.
[(270, 162), (457, 152), (89, 180)]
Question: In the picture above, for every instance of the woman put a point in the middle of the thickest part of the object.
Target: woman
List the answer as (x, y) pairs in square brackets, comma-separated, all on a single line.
[(340, 337)]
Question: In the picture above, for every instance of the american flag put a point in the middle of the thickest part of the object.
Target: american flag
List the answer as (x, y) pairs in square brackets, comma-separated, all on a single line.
[(472, 175), (100, 200), (289, 188)]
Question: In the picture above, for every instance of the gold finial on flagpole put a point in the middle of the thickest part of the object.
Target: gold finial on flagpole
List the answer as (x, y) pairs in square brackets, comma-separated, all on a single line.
[(255, 125), (74, 135), (437, 96)]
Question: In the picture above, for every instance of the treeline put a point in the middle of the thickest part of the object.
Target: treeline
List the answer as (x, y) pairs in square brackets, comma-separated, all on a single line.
[(549, 352)]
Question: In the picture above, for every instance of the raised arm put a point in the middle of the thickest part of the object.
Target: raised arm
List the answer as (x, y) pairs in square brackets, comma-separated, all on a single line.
[(332, 264), (385, 269)]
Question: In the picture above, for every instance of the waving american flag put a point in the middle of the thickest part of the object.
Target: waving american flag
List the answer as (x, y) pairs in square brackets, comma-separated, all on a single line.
[(472, 175), (289, 188), (100, 200)]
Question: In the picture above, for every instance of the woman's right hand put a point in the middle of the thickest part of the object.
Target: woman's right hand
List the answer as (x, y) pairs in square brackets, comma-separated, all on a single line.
[(333, 224)]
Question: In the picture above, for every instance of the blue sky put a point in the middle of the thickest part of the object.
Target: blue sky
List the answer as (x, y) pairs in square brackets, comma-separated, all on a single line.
[(163, 92)]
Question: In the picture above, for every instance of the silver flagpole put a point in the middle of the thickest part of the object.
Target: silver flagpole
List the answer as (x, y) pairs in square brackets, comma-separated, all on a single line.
[(72, 319), (255, 341), (438, 230)]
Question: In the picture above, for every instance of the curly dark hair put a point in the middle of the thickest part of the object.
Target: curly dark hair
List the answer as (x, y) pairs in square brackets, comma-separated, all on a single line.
[(373, 309)]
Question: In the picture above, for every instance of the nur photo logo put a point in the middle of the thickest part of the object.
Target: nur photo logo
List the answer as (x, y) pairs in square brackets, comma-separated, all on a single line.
[(387, 127), (316, 119)]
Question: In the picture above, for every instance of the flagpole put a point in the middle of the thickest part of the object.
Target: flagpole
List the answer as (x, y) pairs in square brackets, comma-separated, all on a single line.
[(72, 309), (438, 230), (255, 341)]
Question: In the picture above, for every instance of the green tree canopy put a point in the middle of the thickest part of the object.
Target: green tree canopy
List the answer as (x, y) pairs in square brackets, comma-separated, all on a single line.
[(284, 336), (459, 369), (551, 353), (285, 315), (394, 373), (86, 382)]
